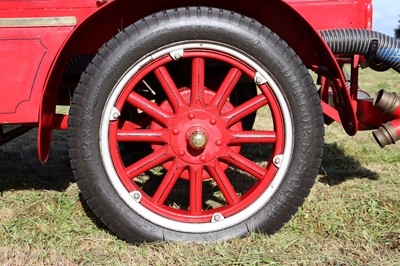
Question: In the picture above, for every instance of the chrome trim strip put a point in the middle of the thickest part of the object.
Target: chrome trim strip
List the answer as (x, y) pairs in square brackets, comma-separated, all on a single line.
[(38, 22)]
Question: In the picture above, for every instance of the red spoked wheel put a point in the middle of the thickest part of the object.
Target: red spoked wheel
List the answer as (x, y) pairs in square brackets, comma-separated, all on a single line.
[(195, 135), (171, 158)]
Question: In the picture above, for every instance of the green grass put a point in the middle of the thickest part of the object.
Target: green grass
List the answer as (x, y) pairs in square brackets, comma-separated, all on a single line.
[(350, 218)]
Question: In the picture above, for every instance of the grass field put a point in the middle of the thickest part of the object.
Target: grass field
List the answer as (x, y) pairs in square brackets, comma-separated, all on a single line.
[(350, 218)]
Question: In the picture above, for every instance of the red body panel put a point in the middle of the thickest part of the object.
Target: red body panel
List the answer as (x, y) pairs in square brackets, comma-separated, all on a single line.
[(27, 53), (329, 14), (25, 67), (33, 56)]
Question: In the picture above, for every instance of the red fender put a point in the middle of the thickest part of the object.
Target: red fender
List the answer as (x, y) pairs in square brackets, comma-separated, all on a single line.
[(102, 23)]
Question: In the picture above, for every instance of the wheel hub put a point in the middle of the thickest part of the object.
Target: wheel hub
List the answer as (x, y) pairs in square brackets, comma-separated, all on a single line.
[(197, 133), (197, 138)]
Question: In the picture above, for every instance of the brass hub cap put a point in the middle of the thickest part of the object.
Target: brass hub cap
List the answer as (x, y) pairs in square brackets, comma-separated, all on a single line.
[(197, 139)]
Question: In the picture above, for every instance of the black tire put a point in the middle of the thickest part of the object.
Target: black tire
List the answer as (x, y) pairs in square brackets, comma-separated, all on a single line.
[(293, 157)]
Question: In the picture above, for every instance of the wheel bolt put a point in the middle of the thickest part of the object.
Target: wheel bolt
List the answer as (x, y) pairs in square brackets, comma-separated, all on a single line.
[(181, 153), (217, 217), (115, 114), (191, 116), (177, 55), (213, 121), (277, 160), (175, 131), (203, 158), (218, 142), (136, 195)]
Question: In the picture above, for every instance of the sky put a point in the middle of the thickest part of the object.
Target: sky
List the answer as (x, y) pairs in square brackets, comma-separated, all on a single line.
[(386, 16)]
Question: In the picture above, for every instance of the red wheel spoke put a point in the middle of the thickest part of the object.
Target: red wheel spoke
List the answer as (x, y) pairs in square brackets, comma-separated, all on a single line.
[(148, 107), (167, 183), (223, 183), (198, 73), (142, 135), (244, 164), (156, 158), (175, 98), (239, 137), (226, 88), (245, 109), (196, 190)]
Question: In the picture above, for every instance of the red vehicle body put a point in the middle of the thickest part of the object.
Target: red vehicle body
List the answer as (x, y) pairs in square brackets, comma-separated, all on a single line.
[(46, 45)]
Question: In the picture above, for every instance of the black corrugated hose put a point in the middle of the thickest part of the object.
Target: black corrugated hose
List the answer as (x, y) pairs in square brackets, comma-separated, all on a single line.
[(382, 51)]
